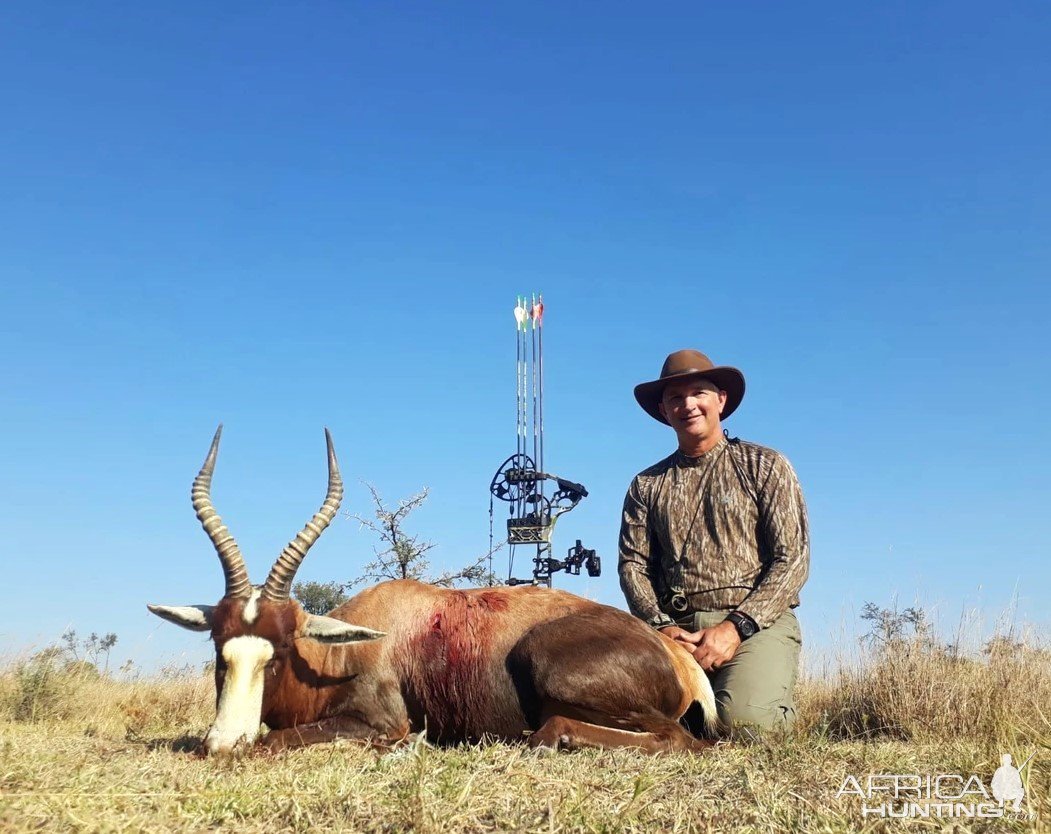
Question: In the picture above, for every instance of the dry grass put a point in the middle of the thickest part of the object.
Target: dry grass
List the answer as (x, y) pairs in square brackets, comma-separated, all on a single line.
[(87, 753), (45, 693), (915, 691)]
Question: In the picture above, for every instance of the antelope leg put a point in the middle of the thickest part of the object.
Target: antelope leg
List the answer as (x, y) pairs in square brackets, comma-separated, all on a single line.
[(329, 729), (563, 733)]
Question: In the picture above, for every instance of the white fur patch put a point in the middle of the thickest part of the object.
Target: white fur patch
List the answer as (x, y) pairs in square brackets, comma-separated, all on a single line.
[(705, 696), (331, 630), (251, 609), (241, 701), (193, 617)]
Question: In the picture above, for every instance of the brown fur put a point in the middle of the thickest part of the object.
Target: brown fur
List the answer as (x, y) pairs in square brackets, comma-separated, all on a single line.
[(462, 665)]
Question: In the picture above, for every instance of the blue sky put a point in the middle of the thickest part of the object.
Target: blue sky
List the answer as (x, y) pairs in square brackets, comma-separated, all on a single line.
[(287, 216)]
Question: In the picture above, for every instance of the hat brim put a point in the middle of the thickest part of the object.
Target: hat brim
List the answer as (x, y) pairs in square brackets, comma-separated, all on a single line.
[(730, 380)]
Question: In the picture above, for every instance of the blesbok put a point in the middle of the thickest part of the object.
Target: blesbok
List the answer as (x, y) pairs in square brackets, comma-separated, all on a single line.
[(459, 665)]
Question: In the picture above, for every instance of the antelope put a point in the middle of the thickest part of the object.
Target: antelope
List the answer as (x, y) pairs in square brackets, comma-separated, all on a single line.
[(405, 657)]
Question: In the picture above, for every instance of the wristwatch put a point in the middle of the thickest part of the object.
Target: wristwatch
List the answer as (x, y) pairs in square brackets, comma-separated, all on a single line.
[(745, 625)]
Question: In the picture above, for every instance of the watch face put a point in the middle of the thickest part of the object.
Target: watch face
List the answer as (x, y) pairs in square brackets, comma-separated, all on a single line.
[(745, 627)]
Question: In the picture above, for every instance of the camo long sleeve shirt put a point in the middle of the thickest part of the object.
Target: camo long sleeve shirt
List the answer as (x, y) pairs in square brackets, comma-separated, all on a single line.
[(729, 529)]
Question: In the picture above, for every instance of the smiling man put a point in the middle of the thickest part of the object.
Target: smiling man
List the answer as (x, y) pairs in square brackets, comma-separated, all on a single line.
[(714, 544)]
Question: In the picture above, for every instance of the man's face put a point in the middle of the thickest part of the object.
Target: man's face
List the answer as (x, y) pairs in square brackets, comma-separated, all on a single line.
[(692, 408)]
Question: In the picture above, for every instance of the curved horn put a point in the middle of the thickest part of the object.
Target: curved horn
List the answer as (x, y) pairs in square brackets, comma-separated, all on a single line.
[(279, 583), (237, 583)]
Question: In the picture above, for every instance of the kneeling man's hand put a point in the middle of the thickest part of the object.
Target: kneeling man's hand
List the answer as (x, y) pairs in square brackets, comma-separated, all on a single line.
[(716, 645), (687, 639)]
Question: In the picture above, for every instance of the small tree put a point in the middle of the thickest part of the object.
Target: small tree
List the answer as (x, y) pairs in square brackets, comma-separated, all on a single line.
[(90, 651), (402, 555), (891, 630), (319, 597)]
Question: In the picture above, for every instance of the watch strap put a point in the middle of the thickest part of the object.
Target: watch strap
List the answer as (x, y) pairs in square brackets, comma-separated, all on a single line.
[(745, 625)]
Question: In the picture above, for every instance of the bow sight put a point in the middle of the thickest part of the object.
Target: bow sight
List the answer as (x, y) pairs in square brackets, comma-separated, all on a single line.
[(521, 482)]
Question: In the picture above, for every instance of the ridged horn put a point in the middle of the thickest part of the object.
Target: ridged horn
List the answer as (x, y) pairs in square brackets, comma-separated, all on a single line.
[(237, 583), (279, 583)]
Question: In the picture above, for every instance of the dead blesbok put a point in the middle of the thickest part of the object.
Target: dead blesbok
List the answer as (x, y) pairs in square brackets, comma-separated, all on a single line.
[(459, 665)]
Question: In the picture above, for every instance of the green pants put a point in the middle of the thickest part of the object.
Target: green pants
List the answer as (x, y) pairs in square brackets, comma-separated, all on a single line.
[(755, 687)]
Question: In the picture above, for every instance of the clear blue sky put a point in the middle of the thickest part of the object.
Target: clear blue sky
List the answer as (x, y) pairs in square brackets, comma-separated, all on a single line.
[(285, 216)]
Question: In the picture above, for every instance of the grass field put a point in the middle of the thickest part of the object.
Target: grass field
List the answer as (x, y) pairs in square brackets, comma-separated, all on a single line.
[(84, 752)]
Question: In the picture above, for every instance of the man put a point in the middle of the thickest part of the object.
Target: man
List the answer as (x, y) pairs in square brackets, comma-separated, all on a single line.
[(714, 545)]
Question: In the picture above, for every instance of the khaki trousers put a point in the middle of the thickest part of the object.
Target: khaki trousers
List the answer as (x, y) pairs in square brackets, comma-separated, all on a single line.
[(755, 687)]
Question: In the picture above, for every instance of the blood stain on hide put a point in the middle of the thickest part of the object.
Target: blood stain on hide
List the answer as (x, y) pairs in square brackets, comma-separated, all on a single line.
[(450, 676)]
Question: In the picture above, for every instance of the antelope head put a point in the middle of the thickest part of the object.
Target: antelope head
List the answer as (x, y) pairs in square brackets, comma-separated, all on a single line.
[(254, 627)]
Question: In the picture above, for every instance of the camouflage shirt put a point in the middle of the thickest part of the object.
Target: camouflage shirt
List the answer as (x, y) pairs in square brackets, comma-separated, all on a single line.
[(728, 529)]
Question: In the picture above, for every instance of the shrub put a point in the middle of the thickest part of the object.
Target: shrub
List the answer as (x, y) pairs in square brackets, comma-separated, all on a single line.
[(43, 685)]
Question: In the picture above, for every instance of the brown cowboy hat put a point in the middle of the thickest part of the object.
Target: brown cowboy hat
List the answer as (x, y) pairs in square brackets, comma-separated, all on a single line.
[(684, 364)]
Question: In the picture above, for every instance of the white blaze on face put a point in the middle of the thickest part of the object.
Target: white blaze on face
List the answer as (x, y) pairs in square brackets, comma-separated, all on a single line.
[(241, 701), (251, 609)]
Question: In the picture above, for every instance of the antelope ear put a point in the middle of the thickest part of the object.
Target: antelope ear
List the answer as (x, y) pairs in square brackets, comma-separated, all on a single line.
[(331, 630), (193, 617)]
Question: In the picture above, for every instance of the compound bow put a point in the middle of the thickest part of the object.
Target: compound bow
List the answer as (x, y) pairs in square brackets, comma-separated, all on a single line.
[(521, 483)]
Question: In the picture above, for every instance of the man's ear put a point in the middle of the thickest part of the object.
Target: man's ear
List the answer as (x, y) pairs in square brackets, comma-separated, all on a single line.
[(722, 400), (660, 408)]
